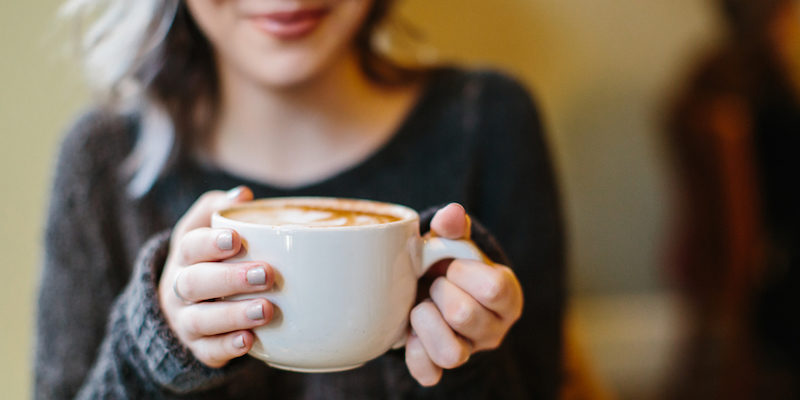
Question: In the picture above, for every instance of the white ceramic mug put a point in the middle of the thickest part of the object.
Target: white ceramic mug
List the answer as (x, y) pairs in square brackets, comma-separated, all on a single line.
[(342, 295)]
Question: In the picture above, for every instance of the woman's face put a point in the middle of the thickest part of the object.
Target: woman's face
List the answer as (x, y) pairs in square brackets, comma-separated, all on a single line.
[(279, 43)]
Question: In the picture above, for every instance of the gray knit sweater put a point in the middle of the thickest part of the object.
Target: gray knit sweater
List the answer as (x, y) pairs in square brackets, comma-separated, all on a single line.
[(101, 334)]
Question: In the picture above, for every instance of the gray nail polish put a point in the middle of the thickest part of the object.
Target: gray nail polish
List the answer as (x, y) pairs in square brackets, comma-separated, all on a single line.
[(255, 312), (234, 193), (257, 276), (238, 341), (225, 241)]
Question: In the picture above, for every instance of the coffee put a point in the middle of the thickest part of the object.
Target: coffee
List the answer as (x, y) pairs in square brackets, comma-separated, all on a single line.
[(307, 215)]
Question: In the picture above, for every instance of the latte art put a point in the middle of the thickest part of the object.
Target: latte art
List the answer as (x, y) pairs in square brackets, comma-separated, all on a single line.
[(296, 215)]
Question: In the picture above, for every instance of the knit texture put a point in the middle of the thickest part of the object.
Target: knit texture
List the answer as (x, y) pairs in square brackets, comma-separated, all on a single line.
[(474, 137)]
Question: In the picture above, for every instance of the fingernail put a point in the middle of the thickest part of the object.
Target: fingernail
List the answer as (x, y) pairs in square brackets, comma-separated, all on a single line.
[(225, 241), (235, 192), (257, 276), (255, 312), (238, 341)]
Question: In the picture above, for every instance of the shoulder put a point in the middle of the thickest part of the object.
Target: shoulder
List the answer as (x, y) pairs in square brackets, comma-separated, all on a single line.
[(91, 153), (96, 138), (96, 131), (486, 86), (494, 113), (478, 79), (487, 99)]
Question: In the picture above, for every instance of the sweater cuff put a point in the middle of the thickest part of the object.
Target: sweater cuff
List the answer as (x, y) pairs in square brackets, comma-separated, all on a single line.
[(170, 364), (478, 234)]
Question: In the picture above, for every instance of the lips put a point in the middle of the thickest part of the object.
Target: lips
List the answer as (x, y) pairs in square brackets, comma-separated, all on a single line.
[(287, 25)]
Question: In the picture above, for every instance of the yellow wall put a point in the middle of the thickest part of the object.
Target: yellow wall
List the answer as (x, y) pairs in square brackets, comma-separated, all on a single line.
[(600, 69), (38, 95)]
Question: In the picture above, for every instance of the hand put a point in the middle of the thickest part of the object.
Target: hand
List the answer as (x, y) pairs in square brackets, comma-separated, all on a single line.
[(214, 331), (471, 308)]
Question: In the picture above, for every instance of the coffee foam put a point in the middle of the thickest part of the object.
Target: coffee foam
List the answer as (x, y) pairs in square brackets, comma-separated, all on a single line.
[(306, 215)]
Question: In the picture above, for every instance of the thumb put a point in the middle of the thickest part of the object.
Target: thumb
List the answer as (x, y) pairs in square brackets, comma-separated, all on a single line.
[(451, 222), (199, 214)]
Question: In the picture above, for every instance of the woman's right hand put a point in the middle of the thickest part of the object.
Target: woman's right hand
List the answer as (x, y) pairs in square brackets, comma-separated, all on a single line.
[(215, 331)]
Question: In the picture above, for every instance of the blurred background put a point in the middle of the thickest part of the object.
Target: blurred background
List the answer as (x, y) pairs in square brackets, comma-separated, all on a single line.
[(603, 72)]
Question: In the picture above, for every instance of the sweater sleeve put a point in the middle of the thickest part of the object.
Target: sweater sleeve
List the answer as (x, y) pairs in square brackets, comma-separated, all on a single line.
[(101, 334), (517, 200), (139, 356)]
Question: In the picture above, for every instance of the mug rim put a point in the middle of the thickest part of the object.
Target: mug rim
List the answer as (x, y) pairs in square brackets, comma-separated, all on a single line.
[(404, 213)]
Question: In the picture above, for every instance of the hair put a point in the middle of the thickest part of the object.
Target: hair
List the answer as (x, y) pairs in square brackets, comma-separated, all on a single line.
[(748, 18), (149, 58)]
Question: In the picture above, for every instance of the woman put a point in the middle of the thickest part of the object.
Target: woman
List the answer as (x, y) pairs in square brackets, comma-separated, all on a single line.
[(286, 98), (734, 133)]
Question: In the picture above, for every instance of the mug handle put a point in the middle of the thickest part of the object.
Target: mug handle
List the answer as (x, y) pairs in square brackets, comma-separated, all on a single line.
[(435, 249)]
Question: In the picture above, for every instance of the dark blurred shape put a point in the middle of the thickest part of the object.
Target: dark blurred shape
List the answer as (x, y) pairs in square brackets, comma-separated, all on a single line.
[(735, 138)]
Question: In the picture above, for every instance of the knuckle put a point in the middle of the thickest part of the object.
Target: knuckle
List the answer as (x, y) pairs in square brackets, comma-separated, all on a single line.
[(450, 356), (460, 315), (495, 287), (436, 287), (456, 267), (192, 324), (207, 356), (177, 233), (184, 248), (201, 352), (197, 351), (188, 287), (419, 312), (492, 343), (181, 325), (516, 314), (416, 313), (414, 350), (208, 197), (507, 274)]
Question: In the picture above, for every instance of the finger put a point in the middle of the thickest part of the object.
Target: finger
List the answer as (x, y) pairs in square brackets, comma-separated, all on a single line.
[(216, 351), (419, 364), (207, 244), (214, 318), (466, 316), (451, 222), (206, 281), (494, 286), (199, 214), (443, 346)]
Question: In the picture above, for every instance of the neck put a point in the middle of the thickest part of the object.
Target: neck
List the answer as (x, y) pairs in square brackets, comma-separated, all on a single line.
[(250, 111), (298, 134)]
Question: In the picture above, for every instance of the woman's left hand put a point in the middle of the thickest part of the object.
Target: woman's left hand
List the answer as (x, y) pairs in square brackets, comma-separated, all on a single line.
[(471, 308)]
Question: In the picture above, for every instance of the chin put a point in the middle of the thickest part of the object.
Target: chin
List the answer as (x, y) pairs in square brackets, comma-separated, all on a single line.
[(287, 71), (279, 78), (258, 43)]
